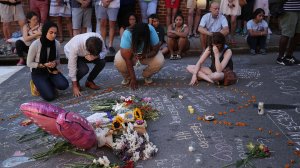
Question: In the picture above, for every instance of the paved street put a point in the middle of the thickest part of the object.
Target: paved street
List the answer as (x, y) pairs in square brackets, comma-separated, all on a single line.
[(217, 143)]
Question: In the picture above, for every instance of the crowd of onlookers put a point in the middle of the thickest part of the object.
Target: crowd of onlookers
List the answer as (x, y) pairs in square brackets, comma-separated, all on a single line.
[(143, 40)]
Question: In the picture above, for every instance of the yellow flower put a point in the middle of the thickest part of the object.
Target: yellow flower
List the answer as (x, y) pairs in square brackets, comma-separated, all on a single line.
[(117, 123), (261, 147), (137, 114)]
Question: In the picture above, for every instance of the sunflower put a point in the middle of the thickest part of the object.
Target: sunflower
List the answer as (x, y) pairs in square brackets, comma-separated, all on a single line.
[(137, 114), (117, 123)]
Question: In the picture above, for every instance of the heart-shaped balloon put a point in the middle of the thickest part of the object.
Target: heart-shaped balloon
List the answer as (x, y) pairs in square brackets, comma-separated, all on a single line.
[(43, 114), (76, 129)]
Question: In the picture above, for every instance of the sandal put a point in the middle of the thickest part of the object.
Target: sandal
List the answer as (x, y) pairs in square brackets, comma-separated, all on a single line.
[(173, 57), (178, 56)]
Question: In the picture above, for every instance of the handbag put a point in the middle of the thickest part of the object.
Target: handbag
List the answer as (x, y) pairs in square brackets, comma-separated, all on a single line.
[(230, 77), (242, 2)]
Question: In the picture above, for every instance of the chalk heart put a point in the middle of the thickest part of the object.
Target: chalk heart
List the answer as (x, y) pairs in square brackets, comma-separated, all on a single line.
[(76, 129), (223, 155), (43, 115)]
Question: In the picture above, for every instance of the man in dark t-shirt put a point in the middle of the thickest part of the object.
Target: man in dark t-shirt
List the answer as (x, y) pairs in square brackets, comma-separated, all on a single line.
[(153, 20)]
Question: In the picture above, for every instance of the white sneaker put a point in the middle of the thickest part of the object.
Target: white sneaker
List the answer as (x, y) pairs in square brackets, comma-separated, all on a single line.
[(148, 80), (125, 81)]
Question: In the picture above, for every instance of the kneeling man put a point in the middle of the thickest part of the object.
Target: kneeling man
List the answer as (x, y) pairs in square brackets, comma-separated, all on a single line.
[(82, 49)]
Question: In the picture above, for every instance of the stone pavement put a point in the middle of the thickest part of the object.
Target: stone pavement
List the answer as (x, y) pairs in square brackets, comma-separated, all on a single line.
[(217, 143), (240, 48)]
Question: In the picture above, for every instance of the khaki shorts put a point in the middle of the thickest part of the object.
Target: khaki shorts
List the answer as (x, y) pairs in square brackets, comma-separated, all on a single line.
[(290, 23), (199, 4), (81, 17), (9, 13)]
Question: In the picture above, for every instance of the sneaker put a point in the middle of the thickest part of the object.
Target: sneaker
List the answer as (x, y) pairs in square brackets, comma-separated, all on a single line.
[(148, 80), (293, 60), (283, 61), (125, 81), (252, 52), (21, 63), (112, 50), (263, 51), (178, 56)]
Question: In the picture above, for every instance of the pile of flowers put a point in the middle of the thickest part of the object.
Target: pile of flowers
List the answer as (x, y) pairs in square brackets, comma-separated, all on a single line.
[(259, 151), (123, 121)]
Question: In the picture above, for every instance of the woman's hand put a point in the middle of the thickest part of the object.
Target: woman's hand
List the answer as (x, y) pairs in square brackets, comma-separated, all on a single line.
[(194, 80), (133, 84), (50, 64), (216, 51)]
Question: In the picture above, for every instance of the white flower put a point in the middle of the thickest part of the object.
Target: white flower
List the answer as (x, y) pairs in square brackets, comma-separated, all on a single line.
[(146, 137), (104, 161), (94, 161), (136, 156), (180, 96)]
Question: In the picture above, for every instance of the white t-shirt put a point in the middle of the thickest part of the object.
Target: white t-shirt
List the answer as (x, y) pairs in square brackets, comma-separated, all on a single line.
[(213, 24), (261, 26)]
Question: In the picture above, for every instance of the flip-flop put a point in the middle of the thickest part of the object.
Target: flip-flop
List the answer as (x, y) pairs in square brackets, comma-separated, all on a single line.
[(173, 57)]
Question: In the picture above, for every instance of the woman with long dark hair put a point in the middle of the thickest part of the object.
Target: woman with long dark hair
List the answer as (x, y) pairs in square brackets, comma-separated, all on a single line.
[(43, 58), (139, 45), (220, 55)]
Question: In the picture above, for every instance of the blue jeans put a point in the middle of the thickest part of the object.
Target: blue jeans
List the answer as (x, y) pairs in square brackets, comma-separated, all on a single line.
[(83, 69), (257, 41), (47, 83)]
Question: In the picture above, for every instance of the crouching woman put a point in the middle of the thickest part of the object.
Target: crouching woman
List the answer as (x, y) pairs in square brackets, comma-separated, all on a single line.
[(43, 58), (220, 55)]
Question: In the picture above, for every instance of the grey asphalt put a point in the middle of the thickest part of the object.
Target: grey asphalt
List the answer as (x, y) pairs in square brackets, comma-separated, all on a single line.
[(216, 144)]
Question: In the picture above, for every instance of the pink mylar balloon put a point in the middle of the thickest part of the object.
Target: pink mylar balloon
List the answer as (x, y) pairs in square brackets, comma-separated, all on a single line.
[(76, 129), (43, 114)]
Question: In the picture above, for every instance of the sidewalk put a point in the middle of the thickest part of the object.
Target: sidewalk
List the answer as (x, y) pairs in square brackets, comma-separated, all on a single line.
[(195, 49)]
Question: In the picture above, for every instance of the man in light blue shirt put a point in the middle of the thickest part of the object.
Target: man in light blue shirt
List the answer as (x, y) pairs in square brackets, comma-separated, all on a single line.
[(139, 45), (212, 22)]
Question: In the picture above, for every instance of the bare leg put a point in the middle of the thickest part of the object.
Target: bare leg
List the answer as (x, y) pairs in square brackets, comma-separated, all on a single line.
[(6, 30), (76, 32), (171, 45), (111, 33), (233, 26), (21, 24), (103, 23), (182, 42), (202, 74), (60, 30), (197, 20), (168, 16), (174, 11), (190, 20), (69, 26), (203, 42)]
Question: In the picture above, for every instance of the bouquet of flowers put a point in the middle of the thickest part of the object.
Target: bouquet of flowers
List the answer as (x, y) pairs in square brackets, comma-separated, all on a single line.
[(254, 151), (133, 146)]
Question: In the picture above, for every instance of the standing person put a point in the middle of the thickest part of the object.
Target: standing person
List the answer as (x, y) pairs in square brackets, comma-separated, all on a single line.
[(32, 30), (81, 15), (212, 22), (172, 7), (154, 21), (108, 9), (11, 10), (140, 45), (43, 59), (258, 31), (220, 55), (61, 9), (83, 48), (246, 15), (127, 7), (148, 7), (128, 23), (40, 7), (194, 7), (290, 31), (177, 37), (232, 9)]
